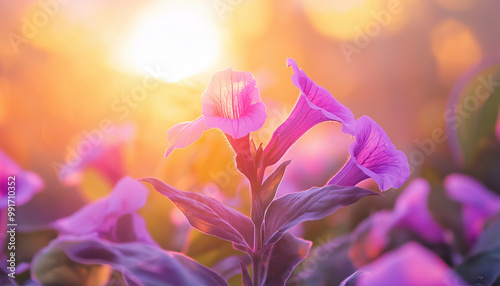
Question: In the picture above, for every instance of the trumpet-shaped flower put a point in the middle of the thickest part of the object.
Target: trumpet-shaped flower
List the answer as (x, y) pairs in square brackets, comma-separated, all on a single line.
[(231, 103), (479, 203), (315, 105), (113, 217), (373, 156)]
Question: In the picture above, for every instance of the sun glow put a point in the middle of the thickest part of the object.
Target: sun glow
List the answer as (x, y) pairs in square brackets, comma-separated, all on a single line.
[(173, 40)]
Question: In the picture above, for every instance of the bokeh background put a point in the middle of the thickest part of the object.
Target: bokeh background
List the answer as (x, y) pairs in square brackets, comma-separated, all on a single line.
[(68, 67)]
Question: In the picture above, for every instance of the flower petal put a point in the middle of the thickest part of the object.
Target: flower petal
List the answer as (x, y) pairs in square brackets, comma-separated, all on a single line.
[(315, 105), (232, 103), (185, 133), (410, 265), (374, 235), (104, 155), (373, 155), (101, 216), (479, 203), (27, 183), (411, 212)]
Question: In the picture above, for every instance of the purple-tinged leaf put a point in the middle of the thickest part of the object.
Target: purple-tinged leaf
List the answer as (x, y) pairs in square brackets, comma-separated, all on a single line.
[(228, 267), (246, 280), (326, 264), (314, 105), (208, 215), (410, 265), (286, 254), (315, 203), (489, 239), (267, 192), (270, 185), (351, 280), (482, 268), (140, 264)]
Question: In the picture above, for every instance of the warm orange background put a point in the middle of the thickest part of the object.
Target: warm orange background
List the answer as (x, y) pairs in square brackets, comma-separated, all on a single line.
[(63, 66)]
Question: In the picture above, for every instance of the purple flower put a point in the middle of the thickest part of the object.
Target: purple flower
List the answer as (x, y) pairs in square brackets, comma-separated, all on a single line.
[(410, 213), (113, 217), (315, 105), (231, 103), (373, 156), (105, 156), (26, 183), (479, 204), (410, 265)]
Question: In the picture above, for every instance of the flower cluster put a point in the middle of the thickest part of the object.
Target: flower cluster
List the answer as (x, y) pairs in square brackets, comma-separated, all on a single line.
[(232, 104), (110, 232), (108, 242)]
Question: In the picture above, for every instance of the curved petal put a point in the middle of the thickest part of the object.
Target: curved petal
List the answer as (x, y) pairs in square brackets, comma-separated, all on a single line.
[(373, 236), (315, 105), (185, 133), (101, 217), (232, 103), (26, 183), (411, 212), (373, 155), (411, 265), (104, 155), (479, 203)]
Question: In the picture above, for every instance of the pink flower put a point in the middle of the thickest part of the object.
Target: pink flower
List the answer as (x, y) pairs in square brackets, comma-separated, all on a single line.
[(26, 183), (479, 204), (411, 214), (231, 103)]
